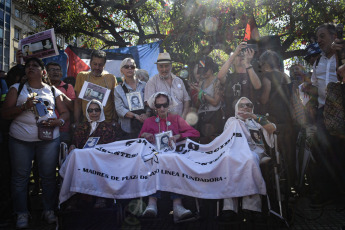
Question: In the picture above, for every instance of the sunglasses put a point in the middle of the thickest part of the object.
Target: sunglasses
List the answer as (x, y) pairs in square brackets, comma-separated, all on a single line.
[(97, 110), (129, 66), (249, 105), (165, 105)]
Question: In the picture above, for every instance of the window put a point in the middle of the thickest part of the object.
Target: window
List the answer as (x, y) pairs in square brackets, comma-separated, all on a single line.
[(33, 23), (1, 32), (17, 33), (15, 56), (58, 41), (17, 13)]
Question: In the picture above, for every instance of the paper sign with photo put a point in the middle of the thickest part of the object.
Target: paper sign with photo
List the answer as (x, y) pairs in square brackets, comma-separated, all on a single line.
[(135, 101), (91, 91), (162, 141), (91, 142), (256, 136), (40, 45)]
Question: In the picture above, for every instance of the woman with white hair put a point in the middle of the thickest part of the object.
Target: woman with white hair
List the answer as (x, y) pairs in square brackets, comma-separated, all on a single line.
[(256, 129), (161, 102), (131, 118)]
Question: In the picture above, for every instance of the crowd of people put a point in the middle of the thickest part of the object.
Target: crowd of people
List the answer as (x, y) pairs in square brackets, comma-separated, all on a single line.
[(39, 110)]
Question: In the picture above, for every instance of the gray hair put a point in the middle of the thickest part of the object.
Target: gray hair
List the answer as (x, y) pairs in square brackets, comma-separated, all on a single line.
[(124, 62), (143, 73)]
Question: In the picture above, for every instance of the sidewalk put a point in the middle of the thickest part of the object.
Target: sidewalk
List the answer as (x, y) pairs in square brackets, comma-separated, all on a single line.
[(304, 217)]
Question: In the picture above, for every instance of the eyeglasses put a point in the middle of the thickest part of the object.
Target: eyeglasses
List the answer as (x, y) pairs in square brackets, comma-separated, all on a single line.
[(129, 66), (97, 110), (242, 105), (165, 105), (54, 70)]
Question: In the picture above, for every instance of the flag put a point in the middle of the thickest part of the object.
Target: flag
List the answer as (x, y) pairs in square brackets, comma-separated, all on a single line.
[(79, 60), (252, 32)]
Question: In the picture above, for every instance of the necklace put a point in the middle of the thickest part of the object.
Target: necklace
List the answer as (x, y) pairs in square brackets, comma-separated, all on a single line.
[(157, 120), (33, 90)]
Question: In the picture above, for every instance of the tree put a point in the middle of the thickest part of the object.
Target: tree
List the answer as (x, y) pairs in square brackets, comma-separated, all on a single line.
[(108, 23), (190, 28)]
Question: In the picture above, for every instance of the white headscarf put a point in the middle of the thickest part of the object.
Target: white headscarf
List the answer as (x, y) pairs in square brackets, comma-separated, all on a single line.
[(94, 124), (152, 99), (236, 108), (268, 137)]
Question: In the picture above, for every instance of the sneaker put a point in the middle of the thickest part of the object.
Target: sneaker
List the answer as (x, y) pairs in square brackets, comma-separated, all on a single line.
[(49, 216), (22, 221), (180, 213), (150, 211)]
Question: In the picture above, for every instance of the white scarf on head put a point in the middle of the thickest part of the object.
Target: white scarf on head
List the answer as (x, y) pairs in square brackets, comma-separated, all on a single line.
[(94, 124), (268, 137)]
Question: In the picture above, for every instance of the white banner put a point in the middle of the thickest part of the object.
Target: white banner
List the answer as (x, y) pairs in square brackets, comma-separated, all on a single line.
[(128, 169)]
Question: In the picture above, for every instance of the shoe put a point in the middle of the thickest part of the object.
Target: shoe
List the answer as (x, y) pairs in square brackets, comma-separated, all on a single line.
[(227, 216), (49, 216), (150, 211), (22, 221), (180, 213), (100, 203)]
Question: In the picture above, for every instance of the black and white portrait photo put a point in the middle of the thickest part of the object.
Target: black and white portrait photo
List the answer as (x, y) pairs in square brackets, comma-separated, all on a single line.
[(91, 142), (256, 136), (134, 101), (162, 140)]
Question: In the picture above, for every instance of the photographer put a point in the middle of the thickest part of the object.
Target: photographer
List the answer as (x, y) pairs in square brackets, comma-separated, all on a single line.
[(34, 132), (244, 82)]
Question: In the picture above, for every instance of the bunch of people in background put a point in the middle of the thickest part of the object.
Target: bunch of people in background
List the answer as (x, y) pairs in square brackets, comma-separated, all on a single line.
[(141, 105)]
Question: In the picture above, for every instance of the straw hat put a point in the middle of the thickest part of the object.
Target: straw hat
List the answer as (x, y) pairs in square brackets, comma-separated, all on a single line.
[(163, 58)]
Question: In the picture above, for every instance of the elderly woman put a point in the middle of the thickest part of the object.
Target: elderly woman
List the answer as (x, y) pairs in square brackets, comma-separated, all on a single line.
[(161, 102), (95, 126), (33, 111), (256, 129), (131, 117)]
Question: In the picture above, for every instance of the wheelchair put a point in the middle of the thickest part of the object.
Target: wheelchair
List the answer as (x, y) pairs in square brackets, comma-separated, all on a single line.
[(275, 205), (85, 216)]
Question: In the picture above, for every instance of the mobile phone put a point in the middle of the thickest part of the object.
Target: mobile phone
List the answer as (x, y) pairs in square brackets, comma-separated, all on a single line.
[(41, 109), (251, 46)]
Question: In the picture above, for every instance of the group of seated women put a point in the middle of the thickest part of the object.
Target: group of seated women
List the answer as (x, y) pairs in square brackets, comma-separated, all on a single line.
[(257, 130)]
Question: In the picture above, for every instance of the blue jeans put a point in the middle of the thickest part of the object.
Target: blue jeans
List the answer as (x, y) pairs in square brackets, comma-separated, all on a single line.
[(22, 154)]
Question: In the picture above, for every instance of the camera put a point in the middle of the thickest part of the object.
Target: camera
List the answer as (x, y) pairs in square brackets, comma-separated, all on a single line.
[(251, 46)]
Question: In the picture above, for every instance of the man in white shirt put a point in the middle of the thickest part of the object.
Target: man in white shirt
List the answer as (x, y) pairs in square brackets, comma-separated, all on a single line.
[(165, 81), (324, 150)]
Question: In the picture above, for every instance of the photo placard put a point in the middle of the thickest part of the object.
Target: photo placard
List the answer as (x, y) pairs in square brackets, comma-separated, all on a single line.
[(91, 91), (135, 101)]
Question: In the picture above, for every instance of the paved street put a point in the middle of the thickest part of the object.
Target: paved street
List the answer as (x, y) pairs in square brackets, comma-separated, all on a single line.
[(303, 217)]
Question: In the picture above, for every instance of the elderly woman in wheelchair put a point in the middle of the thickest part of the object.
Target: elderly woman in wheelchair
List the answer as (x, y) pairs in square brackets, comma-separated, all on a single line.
[(258, 131)]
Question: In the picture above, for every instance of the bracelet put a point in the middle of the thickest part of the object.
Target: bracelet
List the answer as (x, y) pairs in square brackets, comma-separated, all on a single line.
[(62, 121), (249, 67), (262, 120)]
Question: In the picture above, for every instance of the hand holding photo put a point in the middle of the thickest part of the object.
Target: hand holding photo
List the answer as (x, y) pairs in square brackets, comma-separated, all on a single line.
[(135, 101), (162, 141)]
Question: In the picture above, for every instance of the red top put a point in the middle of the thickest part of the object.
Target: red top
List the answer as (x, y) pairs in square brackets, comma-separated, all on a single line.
[(178, 126), (69, 93)]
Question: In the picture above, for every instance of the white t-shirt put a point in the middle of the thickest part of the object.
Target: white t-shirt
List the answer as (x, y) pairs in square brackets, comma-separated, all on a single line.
[(24, 126)]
